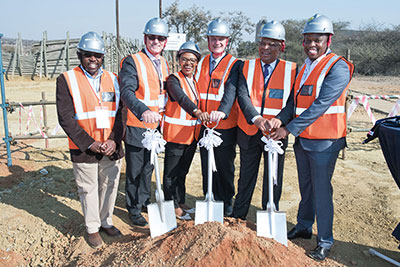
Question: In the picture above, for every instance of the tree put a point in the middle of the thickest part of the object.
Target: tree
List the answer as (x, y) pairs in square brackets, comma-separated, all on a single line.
[(238, 22), (193, 21), (247, 49)]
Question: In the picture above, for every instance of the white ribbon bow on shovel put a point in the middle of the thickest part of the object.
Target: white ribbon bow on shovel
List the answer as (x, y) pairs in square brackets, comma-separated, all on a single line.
[(273, 147), (153, 142), (210, 140)]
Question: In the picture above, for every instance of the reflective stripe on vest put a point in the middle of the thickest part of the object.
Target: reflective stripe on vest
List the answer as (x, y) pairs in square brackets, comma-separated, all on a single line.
[(286, 85), (199, 68), (76, 95), (149, 87), (321, 78), (147, 101), (179, 126), (280, 82), (86, 100), (221, 89), (182, 120), (331, 110), (331, 124)]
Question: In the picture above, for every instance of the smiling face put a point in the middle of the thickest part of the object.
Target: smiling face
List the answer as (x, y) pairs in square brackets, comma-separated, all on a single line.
[(269, 49), (188, 63), (217, 45), (315, 45), (155, 44), (91, 62)]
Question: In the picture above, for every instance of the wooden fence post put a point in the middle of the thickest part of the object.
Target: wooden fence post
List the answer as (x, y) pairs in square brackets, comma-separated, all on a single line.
[(45, 128), (41, 59), (45, 53), (16, 59)]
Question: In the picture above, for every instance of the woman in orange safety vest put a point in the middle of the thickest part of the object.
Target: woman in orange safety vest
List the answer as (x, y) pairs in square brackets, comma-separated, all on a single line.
[(181, 128)]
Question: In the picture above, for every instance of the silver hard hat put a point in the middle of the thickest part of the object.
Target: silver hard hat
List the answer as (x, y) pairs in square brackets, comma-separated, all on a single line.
[(91, 42), (274, 30), (156, 26), (318, 24), (190, 47), (218, 28)]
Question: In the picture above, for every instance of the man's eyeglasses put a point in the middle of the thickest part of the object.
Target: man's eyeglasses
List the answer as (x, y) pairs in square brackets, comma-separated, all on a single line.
[(91, 54), (159, 38), (188, 60), (272, 45)]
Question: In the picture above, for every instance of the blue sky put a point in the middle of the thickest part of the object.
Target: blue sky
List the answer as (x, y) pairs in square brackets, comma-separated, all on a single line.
[(32, 17)]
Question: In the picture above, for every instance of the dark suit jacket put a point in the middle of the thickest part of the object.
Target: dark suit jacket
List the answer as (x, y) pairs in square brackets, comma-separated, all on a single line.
[(66, 118), (334, 83)]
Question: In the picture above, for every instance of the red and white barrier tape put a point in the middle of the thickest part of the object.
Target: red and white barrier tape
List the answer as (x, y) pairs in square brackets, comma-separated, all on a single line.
[(364, 101), (31, 117), (377, 96), (395, 109)]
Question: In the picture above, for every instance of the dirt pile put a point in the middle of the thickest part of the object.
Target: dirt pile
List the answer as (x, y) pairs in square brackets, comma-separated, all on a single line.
[(211, 244), (10, 258)]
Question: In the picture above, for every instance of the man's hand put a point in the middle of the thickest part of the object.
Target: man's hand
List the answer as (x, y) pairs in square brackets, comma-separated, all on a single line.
[(280, 133), (216, 115), (260, 122), (108, 147), (96, 147), (151, 116), (273, 123)]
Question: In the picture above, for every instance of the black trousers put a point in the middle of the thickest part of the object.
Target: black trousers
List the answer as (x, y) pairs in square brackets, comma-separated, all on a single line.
[(250, 158), (138, 178), (177, 161), (223, 187)]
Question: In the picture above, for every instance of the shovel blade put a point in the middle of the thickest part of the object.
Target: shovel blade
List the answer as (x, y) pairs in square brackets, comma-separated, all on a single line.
[(272, 224), (161, 217), (209, 211)]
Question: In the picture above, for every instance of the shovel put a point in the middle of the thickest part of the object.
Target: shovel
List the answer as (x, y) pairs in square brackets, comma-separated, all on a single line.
[(162, 213), (209, 210), (272, 223)]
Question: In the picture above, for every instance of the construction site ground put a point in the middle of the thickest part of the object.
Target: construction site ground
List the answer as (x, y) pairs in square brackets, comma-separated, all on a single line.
[(41, 222)]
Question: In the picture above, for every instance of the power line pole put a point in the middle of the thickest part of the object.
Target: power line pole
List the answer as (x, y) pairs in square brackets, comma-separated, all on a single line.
[(160, 5), (117, 21)]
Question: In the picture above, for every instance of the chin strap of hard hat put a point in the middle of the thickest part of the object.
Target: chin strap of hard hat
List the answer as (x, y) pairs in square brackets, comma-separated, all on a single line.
[(329, 40)]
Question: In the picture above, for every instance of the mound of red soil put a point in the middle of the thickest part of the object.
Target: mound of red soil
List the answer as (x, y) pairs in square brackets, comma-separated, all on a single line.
[(210, 244)]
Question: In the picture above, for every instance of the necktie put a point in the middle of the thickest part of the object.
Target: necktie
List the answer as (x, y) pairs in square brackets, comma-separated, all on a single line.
[(157, 62), (213, 63), (266, 71)]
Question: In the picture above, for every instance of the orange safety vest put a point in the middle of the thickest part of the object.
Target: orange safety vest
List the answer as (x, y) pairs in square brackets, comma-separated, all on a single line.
[(212, 88), (179, 126), (86, 101), (277, 92), (332, 124), (151, 88)]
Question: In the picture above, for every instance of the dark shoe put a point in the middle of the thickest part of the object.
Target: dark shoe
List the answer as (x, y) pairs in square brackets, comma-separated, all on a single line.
[(319, 253), (295, 233), (94, 240), (144, 209), (138, 219), (112, 231), (228, 211)]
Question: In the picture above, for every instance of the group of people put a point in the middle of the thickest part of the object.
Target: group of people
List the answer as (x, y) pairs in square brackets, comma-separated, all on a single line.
[(243, 100)]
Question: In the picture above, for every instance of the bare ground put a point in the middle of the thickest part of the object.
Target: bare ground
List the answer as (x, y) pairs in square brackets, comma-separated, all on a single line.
[(41, 221)]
